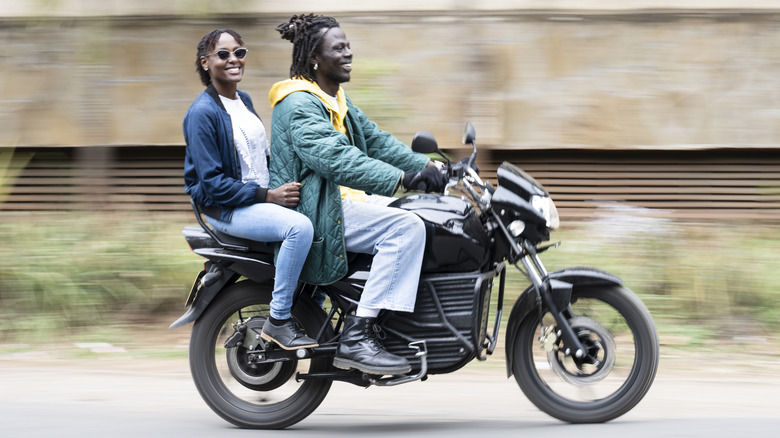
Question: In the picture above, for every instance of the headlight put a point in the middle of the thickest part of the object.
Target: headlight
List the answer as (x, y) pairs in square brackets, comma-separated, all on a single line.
[(516, 228), (546, 207)]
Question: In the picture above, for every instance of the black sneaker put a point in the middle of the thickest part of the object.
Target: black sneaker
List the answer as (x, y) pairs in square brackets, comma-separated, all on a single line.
[(288, 335)]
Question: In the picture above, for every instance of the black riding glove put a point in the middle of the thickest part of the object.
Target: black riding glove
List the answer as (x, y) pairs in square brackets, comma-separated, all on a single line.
[(427, 180)]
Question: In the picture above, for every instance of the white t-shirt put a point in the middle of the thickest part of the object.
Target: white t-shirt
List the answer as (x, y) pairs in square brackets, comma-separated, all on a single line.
[(335, 102), (251, 141)]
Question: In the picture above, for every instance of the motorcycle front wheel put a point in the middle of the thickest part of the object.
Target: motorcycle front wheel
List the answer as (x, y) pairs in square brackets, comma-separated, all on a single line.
[(620, 364), (235, 381)]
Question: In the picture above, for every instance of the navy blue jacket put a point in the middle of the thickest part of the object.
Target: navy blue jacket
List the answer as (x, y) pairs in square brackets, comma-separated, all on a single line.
[(212, 172)]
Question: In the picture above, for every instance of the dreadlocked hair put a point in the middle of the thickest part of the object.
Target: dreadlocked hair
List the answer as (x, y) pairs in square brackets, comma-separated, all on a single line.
[(206, 46), (305, 31)]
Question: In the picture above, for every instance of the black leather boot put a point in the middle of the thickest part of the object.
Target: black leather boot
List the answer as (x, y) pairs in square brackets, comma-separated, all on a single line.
[(360, 349)]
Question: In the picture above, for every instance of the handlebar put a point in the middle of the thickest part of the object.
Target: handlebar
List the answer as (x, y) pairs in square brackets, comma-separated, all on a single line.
[(466, 171)]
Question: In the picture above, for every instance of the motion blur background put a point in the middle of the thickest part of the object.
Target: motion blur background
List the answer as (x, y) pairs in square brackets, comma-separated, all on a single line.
[(655, 125)]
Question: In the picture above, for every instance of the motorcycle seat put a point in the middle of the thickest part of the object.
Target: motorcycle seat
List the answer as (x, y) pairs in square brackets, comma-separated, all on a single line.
[(264, 249), (227, 240), (231, 242)]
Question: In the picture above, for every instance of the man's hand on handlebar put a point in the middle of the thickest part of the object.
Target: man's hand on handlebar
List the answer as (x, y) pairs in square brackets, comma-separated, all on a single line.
[(430, 179)]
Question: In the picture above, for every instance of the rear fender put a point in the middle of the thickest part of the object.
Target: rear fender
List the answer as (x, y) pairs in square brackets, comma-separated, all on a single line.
[(203, 291), (244, 264), (226, 267), (226, 263), (561, 283)]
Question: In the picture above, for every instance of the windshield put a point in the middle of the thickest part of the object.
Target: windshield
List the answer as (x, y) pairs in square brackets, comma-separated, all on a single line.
[(513, 173)]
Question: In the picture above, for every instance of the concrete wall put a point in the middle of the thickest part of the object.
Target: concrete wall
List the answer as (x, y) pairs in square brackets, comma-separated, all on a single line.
[(119, 72)]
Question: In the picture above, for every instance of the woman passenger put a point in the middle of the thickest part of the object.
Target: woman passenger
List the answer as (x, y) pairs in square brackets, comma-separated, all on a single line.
[(226, 173)]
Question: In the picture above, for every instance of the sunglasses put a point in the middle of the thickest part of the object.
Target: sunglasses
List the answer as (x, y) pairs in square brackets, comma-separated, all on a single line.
[(224, 54)]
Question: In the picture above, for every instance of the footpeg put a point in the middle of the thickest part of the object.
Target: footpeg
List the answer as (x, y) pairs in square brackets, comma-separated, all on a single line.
[(422, 353)]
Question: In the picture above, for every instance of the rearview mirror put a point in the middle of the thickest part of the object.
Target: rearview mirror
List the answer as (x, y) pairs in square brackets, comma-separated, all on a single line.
[(424, 143), (469, 134)]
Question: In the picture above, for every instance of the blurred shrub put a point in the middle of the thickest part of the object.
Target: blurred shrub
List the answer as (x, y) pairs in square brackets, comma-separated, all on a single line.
[(67, 270), (11, 164), (719, 277)]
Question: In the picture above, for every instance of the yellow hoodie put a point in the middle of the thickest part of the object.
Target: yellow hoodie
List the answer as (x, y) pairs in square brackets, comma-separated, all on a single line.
[(282, 89)]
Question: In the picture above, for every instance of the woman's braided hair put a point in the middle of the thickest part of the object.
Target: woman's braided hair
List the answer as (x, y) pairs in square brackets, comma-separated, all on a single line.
[(305, 31), (206, 46)]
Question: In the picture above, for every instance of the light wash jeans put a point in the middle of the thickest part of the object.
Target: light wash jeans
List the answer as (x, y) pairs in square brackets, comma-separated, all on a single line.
[(396, 238), (268, 222)]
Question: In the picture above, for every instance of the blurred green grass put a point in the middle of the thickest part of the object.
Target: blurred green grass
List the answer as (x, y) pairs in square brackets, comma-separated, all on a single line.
[(64, 272), (68, 270)]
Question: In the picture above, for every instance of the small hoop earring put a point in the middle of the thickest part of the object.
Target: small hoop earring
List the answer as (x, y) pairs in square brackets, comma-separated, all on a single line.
[(316, 66)]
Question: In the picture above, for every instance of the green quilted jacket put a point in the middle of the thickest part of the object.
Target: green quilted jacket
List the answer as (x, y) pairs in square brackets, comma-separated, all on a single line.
[(306, 148)]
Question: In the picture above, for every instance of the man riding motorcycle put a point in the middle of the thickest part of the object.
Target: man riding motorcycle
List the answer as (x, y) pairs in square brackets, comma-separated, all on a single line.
[(328, 144)]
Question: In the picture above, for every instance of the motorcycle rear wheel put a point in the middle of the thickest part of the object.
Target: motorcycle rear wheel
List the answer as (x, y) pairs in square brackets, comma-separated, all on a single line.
[(622, 346), (241, 390)]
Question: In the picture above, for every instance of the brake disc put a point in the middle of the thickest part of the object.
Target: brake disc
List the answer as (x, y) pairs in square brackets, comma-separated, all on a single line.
[(599, 359)]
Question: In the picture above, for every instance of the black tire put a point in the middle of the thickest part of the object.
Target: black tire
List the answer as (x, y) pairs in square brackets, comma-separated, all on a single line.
[(618, 331), (264, 396)]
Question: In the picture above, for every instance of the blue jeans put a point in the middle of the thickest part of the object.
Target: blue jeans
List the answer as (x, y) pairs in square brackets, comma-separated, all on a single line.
[(396, 238), (267, 222)]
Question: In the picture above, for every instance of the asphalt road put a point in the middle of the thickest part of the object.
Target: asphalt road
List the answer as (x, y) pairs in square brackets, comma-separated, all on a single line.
[(122, 396)]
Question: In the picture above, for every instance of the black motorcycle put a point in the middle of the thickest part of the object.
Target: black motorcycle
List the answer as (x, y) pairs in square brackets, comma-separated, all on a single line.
[(581, 346)]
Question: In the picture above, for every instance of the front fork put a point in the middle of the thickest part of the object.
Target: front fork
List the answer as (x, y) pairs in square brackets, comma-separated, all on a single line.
[(536, 272)]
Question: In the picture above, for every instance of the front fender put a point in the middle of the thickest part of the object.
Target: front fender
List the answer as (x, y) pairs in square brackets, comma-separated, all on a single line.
[(561, 283)]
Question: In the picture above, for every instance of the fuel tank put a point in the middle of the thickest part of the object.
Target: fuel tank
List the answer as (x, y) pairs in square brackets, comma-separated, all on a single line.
[(456, 240)]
